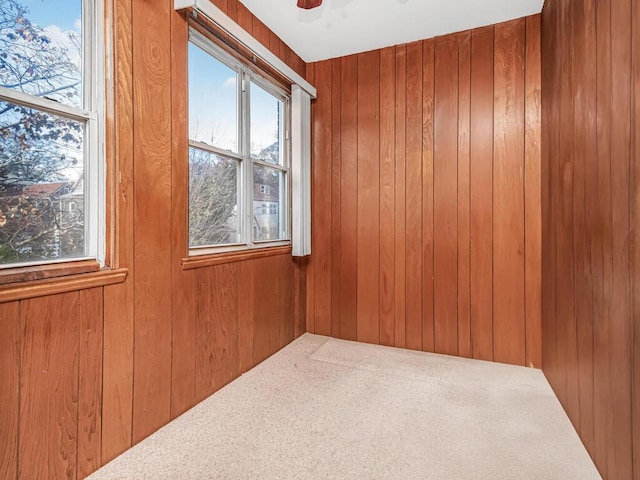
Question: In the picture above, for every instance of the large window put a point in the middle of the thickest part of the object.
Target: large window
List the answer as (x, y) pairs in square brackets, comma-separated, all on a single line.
[(49, 157), (238, 153)]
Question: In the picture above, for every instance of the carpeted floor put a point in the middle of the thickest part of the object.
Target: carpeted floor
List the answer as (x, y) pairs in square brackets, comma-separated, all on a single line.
[(329, 409)]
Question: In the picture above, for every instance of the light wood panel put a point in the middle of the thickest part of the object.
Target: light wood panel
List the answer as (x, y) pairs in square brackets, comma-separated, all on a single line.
[(439, 167), (590, 211)]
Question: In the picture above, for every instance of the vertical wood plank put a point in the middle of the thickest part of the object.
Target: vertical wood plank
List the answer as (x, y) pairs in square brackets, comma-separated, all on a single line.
[(117, 397), (368, 197), (49, 387), (533, 205), (245, 316), (89, 316), (464, 127), (445, 192), (635, 232), (183, 281), (9, 387), (321, 219), (413, 205), (428, 233), (387, 195), (602, 239), (349, 196), (266, 306), (245, 18), (508, 193), (584, 135), (620, 451), (336, 192), (400, 192), (152, 167), (481, 193), (260, 31), (310, 268)]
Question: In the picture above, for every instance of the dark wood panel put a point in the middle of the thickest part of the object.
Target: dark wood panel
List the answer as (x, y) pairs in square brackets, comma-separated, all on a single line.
[(245, 316), (445, 192), (336, 194), (532, 192), (321, 191), (9, 387), (430, 205), (400, 199), (590, 210), (413, 198), (387, 195), (428, 232), (508, 198), (481, 194), (464, 192), (368, 266), (48, 438)]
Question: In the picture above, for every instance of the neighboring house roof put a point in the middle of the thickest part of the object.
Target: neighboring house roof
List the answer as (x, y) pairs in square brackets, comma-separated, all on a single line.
[(45, 190)]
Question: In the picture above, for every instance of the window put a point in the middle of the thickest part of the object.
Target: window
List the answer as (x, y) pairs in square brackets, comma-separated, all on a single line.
[(238, 153), (50, 90)]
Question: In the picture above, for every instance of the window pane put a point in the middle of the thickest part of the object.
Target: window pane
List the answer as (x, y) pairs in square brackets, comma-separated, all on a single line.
[(41, 186), (268, 204), (267, 120), (213, 101), (213, 199), (40, 48)]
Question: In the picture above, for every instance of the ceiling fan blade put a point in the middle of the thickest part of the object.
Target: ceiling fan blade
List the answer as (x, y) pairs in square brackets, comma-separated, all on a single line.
[(308, 4)]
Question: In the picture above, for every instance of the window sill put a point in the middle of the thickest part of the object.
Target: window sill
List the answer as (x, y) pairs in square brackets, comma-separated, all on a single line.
[(210, 260), (68, 283)]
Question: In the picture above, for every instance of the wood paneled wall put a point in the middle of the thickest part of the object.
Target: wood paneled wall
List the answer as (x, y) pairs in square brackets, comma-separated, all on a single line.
[(591, 219), (426, 195), (86, 374)]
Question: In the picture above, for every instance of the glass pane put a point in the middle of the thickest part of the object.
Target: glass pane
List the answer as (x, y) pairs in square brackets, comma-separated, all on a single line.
[(267, 131), (41, 186), (213, 101), (269, 205), (213, 199), (40, 48)]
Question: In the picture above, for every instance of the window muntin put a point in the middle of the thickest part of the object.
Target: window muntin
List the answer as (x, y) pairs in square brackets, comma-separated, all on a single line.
[(49, 134), (260, 213)]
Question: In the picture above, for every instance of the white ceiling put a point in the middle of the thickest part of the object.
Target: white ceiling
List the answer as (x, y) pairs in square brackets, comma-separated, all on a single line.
[(343, 27)]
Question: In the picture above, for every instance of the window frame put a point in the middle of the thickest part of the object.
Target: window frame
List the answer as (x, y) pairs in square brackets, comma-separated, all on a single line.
[(91, 113), (247, 74)]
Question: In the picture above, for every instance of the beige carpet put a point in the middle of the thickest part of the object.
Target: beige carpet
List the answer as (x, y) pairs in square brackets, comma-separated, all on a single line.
[(328, 409)]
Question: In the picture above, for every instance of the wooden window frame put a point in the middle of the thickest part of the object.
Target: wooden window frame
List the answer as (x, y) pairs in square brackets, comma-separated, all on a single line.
[(99, 267)]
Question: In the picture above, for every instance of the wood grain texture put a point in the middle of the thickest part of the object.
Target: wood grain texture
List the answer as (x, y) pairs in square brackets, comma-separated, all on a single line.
[(349, 196), (183, 286), (428, 232), (445, 192), (387, 195), (464, 192), (508, 193), (368, 254), (413, 198), (590, 215), (152, 170), (67, 356), (117, 407), (431, 218), (400, 191), (532, 192), (48, 438), (89, 315), (481, 193), (9, 387)]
